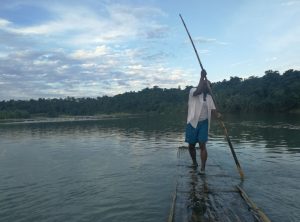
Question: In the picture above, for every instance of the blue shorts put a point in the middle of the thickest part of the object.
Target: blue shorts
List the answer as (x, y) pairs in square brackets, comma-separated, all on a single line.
[(198, 134)]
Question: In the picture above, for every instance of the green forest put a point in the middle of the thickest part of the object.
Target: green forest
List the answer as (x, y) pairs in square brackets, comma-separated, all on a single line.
[(273, 92)]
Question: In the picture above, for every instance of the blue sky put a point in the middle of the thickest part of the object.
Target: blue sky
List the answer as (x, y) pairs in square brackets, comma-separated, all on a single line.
[(92, 48)]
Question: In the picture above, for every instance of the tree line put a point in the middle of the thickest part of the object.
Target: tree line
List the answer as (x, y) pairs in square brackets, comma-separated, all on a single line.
[(273, 92)]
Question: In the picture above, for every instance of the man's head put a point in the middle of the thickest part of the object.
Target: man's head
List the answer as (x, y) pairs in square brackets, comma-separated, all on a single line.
[(202, 87), (203, 74)]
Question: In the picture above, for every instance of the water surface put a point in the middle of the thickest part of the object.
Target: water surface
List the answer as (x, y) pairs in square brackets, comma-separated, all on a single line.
[(125, 169)]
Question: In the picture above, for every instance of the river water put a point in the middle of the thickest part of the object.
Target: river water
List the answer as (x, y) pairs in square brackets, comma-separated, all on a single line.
[(125, 169)]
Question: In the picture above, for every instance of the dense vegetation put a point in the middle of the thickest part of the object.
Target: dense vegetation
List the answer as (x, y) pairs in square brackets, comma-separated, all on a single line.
[(271, 93)]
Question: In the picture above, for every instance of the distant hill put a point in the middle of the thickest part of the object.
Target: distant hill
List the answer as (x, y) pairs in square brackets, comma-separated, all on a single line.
[(271, 93)]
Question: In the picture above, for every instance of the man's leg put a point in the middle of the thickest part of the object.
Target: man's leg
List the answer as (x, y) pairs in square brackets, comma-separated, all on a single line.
[(192, 151), (203, 155)]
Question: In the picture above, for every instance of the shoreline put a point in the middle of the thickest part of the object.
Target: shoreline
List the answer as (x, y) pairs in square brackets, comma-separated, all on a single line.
[(97, 117), (44, 119)]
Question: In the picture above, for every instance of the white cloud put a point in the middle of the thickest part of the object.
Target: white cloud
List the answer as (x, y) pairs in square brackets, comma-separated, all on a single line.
[(85, 26), (4, 22), (208, 40), (241, 63), (88, 54), (274, 58), (39, 62), (290, 3), (58, 74), (84, 52)]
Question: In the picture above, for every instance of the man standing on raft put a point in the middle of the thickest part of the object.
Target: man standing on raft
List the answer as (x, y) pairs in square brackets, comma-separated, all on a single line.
[(200, 108)]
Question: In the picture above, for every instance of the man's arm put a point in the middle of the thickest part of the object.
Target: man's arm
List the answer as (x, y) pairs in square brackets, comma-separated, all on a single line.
[(199, 87), (201, 83), (216, 114)]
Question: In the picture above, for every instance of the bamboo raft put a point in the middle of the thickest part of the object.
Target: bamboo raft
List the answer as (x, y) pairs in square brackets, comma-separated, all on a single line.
[(215, 196)]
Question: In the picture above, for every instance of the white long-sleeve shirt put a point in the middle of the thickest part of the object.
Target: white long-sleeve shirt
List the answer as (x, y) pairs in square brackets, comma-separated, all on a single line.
[(196, 108)]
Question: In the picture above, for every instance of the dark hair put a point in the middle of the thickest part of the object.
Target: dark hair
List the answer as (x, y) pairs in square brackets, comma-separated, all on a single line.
[(203, 72)]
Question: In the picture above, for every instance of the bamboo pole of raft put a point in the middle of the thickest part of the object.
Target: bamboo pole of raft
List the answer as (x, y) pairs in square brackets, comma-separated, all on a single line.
[(172, 211), (230, 145), (252, 205)]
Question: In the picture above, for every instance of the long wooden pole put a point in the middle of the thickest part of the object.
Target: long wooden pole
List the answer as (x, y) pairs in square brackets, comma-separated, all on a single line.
[(232, 150), (221, 122), (192, 42)]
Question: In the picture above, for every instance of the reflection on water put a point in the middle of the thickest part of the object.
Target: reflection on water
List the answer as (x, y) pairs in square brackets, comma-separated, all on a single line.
[(125, 169), (197, 198), (278, 133), (98, 170)]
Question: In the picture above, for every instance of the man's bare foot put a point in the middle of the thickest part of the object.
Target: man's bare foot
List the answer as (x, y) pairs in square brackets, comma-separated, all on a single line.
[(202, 171), (195, 164)]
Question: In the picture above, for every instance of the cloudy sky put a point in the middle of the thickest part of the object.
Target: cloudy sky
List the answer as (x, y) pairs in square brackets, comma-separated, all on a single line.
[(60, 48)]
